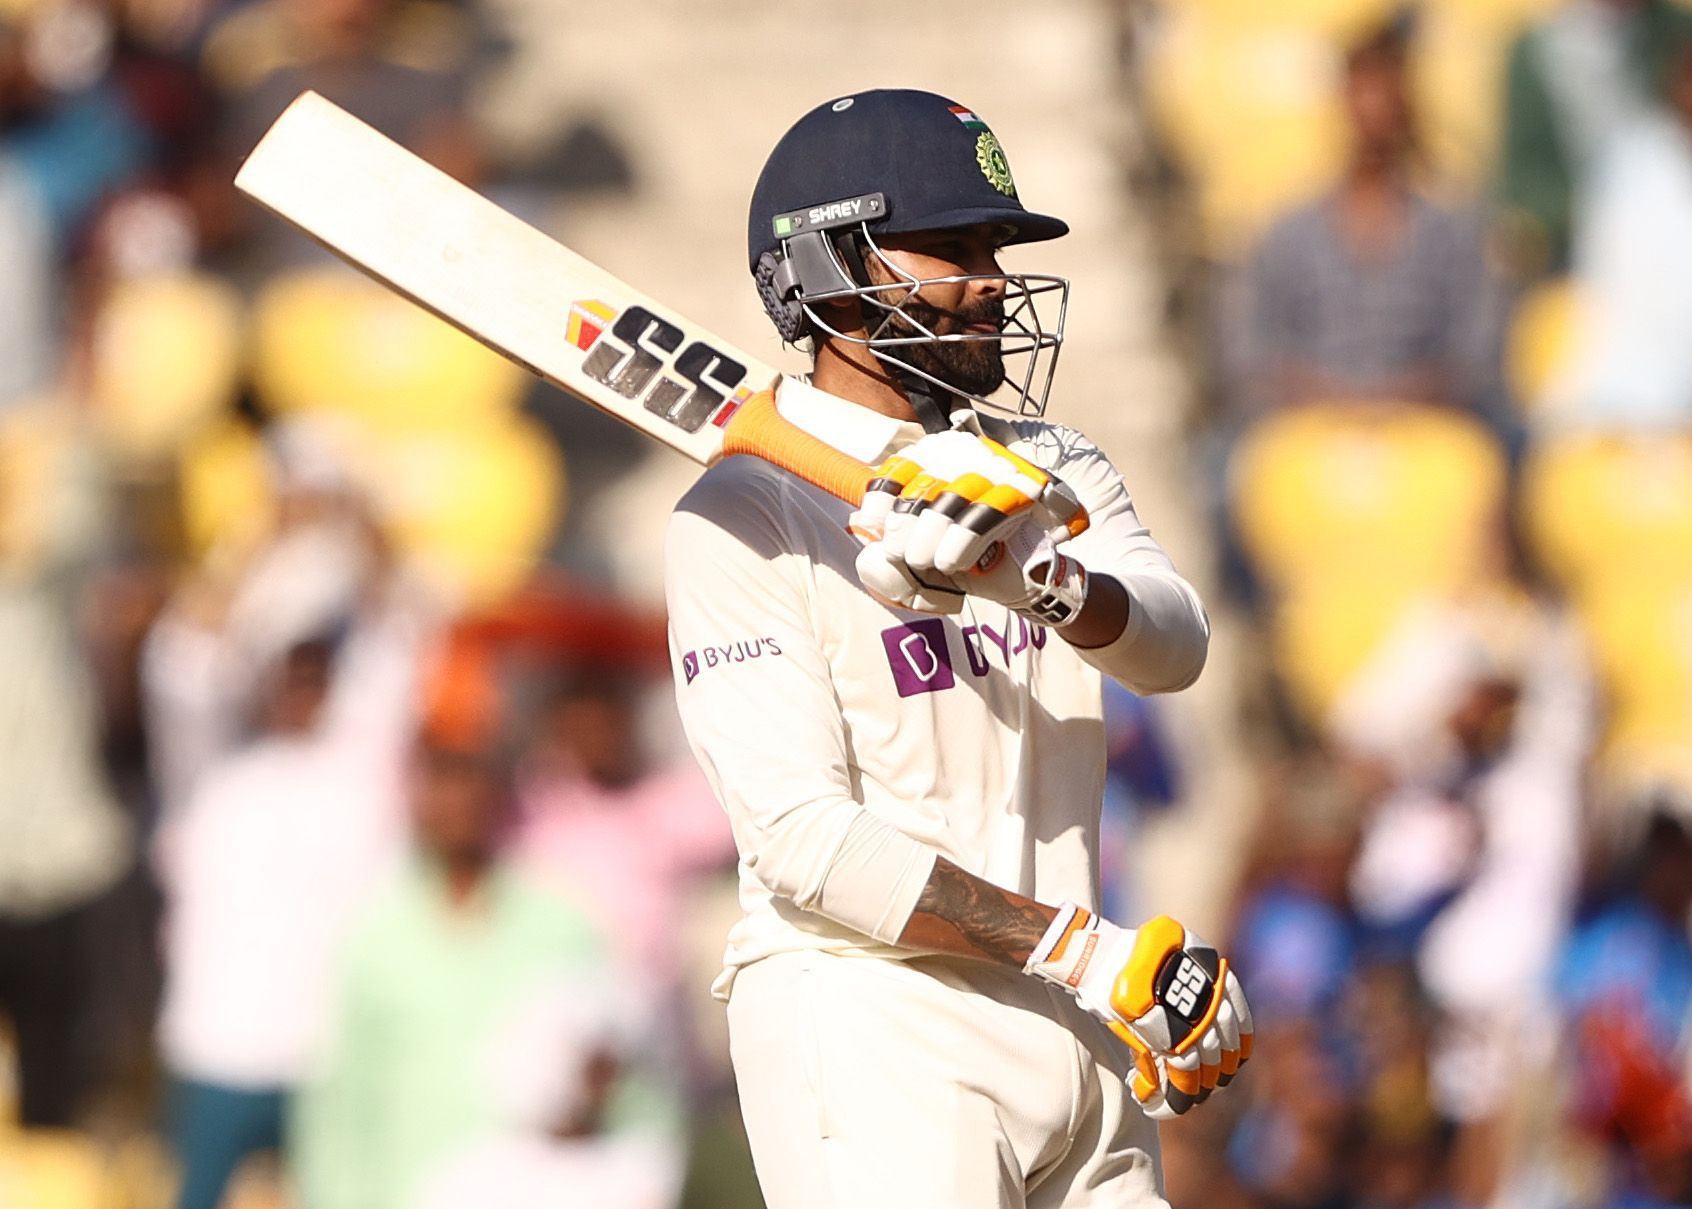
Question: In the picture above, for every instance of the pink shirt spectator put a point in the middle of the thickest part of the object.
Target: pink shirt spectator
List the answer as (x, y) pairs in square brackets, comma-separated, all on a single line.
[(629, 855)]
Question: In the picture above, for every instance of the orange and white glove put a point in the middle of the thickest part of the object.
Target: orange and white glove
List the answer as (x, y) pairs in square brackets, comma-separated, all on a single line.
[(956, 514), (1168, 995)]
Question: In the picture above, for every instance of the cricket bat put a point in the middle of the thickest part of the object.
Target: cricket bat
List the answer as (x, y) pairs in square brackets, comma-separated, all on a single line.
[(529, 298)]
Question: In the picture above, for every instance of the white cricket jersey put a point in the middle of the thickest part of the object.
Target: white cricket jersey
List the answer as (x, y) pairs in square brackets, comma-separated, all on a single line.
[(852, 742)]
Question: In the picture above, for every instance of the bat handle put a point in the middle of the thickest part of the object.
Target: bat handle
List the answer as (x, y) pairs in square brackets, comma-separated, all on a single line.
[(759, 429)]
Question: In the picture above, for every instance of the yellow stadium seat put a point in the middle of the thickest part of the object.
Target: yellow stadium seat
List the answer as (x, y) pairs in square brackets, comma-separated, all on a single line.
[(1351, 512), (1460, 51), (143, 1174), (1252, 115), (1611, 507), (472, 505), (1542, 336), (225, 489), (34, 441), (1458, 71), (1509, 15), (1641, 636), (166, 355), (1401, 493), (52, 1169), (1610, 517), (1248, 95), (475, 506), (1323, 633), (50, 495), (329, 339), (1336, 20)]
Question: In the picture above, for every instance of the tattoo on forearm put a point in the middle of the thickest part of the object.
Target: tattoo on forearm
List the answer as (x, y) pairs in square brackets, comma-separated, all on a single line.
[(961, 914)]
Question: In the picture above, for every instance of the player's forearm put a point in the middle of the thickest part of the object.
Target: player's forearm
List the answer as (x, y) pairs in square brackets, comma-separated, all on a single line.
[(1102, 618), (963, 915), (1150, 633)]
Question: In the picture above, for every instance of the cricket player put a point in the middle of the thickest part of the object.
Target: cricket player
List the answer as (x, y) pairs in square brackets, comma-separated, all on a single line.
[(899, 707)]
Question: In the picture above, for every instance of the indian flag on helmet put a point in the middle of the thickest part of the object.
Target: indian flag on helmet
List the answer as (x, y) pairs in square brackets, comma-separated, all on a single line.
[(967, 118)]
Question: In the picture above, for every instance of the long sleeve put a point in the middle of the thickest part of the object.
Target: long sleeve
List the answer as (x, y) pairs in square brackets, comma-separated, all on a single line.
[(1164, 645), (757, 701)]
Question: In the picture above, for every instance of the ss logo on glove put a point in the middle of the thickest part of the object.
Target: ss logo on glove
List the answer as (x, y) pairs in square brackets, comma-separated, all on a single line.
[(1182, 987)]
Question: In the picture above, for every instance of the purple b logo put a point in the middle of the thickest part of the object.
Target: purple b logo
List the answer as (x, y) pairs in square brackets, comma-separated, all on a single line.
[(918, 656), (690, 665)]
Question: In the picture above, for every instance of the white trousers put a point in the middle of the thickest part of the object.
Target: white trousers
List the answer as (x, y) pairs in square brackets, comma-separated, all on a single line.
[(932, 1084)]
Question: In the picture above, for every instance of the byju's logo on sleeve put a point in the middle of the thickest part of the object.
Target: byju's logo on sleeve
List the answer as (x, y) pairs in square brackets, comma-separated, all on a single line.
[(916, 651), (708, 657)]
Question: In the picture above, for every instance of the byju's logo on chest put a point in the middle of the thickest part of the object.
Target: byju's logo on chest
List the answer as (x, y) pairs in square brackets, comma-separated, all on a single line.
[(916, 651), (920, 657)]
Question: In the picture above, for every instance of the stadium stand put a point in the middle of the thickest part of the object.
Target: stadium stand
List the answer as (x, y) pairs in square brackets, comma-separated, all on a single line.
[(1351, 513)]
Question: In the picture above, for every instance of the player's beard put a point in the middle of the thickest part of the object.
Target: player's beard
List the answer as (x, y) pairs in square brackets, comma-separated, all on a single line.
[(970, 367)]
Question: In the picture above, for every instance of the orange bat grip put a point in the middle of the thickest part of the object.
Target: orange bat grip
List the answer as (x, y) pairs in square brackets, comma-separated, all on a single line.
[(758, 429)]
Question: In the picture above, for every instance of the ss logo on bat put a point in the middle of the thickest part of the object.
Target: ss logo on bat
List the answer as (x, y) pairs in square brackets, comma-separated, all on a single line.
[(633, 355)]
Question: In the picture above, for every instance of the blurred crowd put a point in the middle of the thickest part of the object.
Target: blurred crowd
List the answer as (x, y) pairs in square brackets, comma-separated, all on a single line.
[(342, 814), (1447, 443), (344, 857)]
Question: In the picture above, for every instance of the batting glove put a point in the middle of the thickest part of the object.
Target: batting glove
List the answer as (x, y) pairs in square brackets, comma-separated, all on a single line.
[(1164, 992), (956, 514)]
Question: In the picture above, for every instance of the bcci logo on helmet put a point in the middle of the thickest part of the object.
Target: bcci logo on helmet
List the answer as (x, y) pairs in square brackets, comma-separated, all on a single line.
[(994, 166)]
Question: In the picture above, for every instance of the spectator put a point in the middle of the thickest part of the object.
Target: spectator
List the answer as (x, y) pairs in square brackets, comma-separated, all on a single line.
[(63, 839), (401, 65), (1142, 779), (1625, 981), (1632, 253), (63, 149), (261, 872), (599, 820), (1483, 714), (1294, 932), (473, 1042), (1633, 955), (1372, 291), (63, 123), (182, 210), (323, 563), (1573, 80)]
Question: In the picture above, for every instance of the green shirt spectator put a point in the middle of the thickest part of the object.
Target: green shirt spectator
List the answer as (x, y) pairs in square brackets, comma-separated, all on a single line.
[(457, 1022)]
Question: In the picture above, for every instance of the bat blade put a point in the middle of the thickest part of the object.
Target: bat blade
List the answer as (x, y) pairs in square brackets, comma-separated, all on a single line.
[(498, 279)]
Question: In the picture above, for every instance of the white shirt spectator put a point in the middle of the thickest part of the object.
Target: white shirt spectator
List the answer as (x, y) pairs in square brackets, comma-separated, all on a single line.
[(1632, 258), (263, 869), (1507, 854)]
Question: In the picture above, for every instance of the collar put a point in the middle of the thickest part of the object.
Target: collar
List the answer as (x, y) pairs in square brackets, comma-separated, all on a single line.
[(867, 435)]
